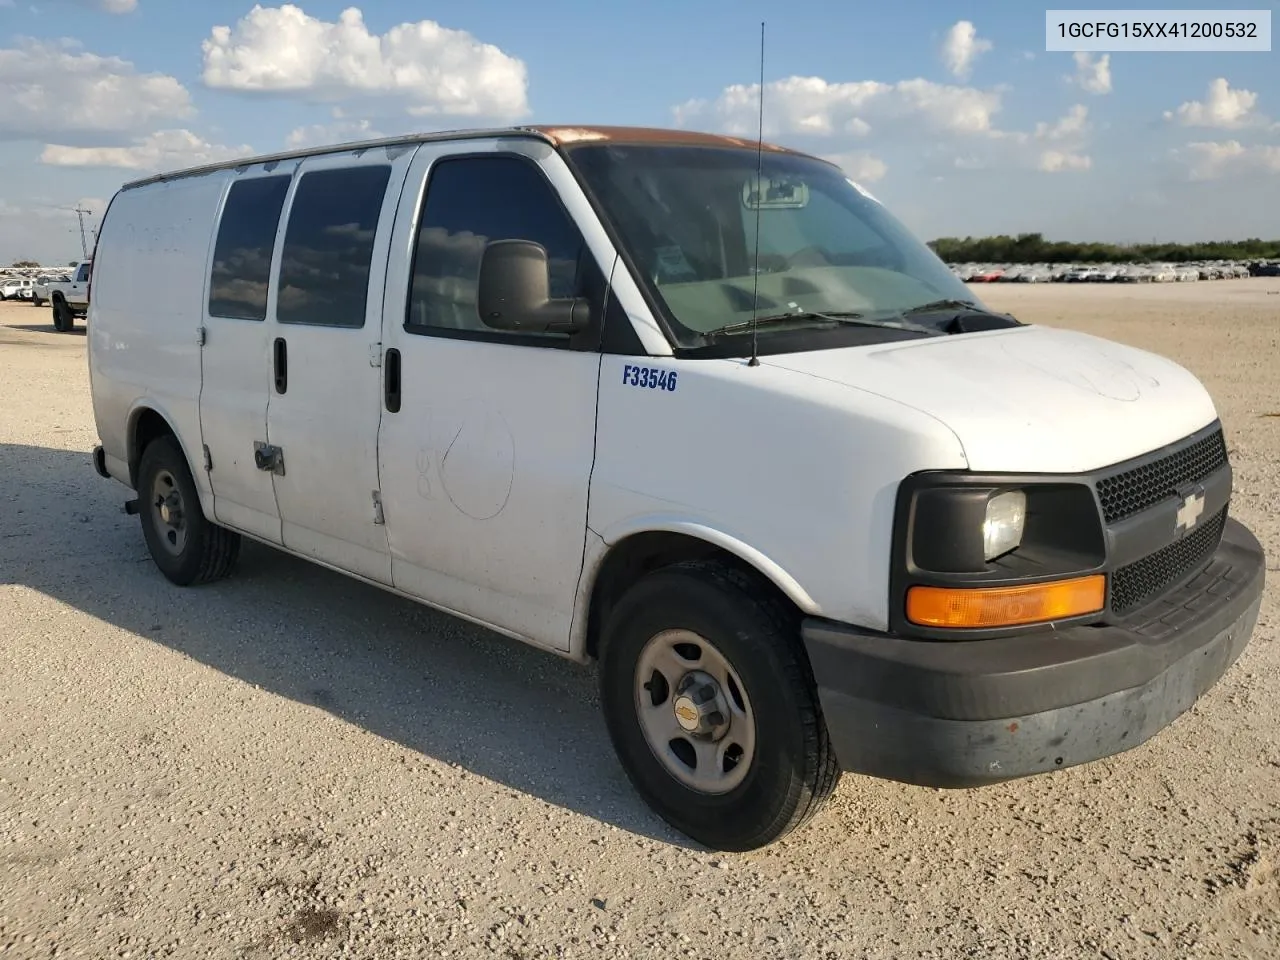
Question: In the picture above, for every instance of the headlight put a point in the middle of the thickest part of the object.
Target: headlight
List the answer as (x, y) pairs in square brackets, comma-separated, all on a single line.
[(982, 554), (1004, 522)]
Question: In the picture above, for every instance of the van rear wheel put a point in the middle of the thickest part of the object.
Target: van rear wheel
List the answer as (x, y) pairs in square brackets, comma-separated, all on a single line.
[(184, 544), (712, 709)]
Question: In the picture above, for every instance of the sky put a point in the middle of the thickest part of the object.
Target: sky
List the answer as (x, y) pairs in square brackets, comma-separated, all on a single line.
[(952, 114)]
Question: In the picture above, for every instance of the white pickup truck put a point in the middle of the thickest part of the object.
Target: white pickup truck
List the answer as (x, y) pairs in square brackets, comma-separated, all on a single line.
[(41, 291), (70, 299)]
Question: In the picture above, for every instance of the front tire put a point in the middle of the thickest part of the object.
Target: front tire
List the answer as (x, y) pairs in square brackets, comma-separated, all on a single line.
[(712, 708), (187, 548)]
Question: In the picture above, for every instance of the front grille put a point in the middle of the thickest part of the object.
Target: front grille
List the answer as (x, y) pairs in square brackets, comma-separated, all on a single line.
[(1134, 490), (1144, 579)]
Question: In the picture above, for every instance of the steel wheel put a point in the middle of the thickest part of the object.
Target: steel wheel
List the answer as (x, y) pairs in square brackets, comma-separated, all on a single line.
[(186, 547), (694, 712), (168, 513)]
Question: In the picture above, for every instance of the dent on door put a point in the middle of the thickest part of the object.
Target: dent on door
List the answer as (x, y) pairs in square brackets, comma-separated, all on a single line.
[(468, 459)]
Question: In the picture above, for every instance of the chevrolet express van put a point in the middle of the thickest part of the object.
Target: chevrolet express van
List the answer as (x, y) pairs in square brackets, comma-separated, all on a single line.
[(698, 409)]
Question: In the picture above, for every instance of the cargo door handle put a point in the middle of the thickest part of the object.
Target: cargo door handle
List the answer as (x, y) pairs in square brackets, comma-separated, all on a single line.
[(281, 365), (391, 380)]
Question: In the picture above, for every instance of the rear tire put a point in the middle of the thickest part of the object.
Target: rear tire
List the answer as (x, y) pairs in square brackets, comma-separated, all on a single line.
[(63, 320), (716, 621), (186, 546)]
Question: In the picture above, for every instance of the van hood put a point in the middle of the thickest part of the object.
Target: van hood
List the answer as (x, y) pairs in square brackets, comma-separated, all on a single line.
[(1027, 399)]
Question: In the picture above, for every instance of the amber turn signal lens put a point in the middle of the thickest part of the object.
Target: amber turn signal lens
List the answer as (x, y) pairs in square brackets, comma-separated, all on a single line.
[(1006, 606)]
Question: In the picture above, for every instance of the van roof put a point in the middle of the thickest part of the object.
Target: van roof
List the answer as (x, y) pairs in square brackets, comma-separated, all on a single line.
[(557, 135)]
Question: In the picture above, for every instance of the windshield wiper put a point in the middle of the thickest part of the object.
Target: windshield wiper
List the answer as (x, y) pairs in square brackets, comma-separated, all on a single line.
[(963, 316), (809, 316), (935, 306)]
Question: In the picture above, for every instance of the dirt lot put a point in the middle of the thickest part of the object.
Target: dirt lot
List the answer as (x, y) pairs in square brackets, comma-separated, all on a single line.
[(289, 763)]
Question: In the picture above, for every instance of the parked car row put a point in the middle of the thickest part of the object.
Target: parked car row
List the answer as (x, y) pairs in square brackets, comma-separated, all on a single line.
[(66, 293), (16, 288), (35, 290), (1111, 273)]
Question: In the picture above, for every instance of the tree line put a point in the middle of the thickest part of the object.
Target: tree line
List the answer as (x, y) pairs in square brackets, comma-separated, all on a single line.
[(31, 264), (1034, 248)]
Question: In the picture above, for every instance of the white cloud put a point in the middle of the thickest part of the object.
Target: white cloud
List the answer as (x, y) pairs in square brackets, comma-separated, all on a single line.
[(1223, 108), (1068, 135), (53, 89), (1213, 160), (161, 151), (434, 70), (958, 121), (1060, 161), (812, 105), (340, 131), (860, 165), (1074, 124), (961, 47), (1092, 75)]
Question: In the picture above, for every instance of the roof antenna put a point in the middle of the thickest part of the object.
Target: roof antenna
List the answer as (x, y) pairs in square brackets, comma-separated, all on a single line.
[(755, 270)]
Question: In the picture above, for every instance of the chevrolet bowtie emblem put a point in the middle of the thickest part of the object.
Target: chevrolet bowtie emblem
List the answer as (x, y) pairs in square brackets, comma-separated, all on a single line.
[(1189, 512)]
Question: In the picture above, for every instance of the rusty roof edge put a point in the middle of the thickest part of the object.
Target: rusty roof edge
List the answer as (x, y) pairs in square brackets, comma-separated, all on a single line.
[(565, 134), (557, 135), (568, 136)]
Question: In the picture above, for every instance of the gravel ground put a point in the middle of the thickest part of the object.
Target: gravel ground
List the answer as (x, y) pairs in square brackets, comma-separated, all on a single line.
[(289, 763)]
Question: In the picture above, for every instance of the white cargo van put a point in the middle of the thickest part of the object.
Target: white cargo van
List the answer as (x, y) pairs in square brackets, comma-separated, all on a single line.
[(810, 505)]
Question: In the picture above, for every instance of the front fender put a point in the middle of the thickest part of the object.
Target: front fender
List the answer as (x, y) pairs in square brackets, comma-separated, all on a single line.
[(725, 540)]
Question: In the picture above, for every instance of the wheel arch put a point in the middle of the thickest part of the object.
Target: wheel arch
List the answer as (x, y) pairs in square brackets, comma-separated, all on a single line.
[(627, 555), (145, 424)]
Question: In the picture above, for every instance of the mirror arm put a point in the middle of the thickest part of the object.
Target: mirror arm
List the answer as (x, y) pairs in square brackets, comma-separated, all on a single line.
[(566, 316)]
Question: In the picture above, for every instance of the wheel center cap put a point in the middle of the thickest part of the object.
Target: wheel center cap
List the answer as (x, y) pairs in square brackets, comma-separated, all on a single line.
[(687, 713), (164, 512), (699, 706)]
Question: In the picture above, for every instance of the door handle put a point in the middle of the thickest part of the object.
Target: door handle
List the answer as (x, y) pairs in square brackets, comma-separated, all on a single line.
[(281, 365), (391, 380)]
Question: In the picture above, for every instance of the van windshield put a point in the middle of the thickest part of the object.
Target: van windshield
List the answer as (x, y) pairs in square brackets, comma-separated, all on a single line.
[(687, 216)]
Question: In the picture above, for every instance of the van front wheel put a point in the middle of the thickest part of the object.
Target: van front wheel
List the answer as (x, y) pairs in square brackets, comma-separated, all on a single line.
[(712, 709), (186, 547)]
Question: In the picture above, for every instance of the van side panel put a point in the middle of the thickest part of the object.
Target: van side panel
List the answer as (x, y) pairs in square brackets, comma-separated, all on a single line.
[(148, 295)]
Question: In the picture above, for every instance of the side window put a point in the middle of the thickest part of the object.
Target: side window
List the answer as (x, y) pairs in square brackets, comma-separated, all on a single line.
[(83, 273), (471, 201), (328, 246), (242, 253)]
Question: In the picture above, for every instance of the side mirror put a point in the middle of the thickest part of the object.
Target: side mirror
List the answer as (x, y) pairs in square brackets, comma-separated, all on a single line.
[(515, 292)]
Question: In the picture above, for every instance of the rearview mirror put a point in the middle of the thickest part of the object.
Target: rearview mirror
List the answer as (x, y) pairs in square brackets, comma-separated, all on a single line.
[(515, 292), (774, 194)]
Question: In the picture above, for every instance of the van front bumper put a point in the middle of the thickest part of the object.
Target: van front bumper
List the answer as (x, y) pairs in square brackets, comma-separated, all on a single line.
[(967, 713)]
